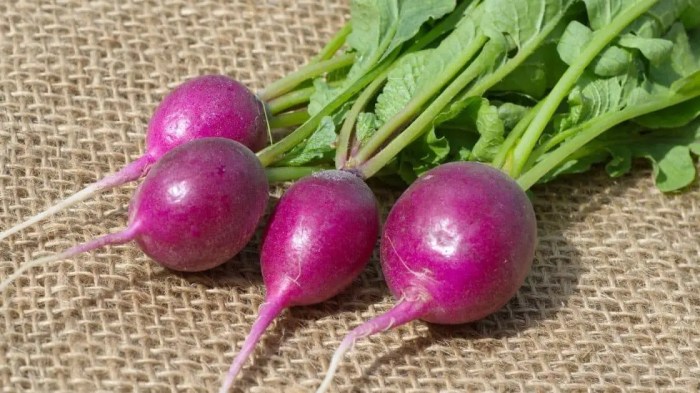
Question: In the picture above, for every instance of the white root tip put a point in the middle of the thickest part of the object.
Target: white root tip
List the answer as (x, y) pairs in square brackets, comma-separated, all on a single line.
[(79, 196), (131, 172), (113, 238), (27, 266), (405, 311), (344, 346)]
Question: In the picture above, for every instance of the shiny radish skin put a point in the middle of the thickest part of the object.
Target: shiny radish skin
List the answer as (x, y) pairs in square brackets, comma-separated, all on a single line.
[(197, 208), (200, 204), (464, 235), (319, 238), (456, 247), (205, 106)]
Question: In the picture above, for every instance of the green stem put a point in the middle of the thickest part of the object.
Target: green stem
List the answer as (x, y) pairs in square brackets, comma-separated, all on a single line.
[(591, 129), (425, 119), (289, 82), (295, 98), (290, 100), (383, 46), (601, 38), (551, 143), (291, 119), (416, 103), (342, 151), (274, 152), (284, 174), (436, 32), (481, 86), (490, 80), (514, 136), (334, 44)]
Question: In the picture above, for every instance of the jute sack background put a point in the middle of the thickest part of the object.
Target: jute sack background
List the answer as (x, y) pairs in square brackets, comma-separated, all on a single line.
[(612, 303)]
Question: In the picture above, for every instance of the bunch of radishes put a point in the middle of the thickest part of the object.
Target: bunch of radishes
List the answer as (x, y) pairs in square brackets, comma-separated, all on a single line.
[(455, 247), (457, 244)]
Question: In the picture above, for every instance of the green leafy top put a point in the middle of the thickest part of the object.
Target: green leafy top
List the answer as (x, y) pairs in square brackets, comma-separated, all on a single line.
[(382, 26), (537, 88)]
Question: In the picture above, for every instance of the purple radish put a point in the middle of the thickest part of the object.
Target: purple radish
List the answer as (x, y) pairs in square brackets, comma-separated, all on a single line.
[(197, 208), (455, 248), (206, 106), (318, 239)]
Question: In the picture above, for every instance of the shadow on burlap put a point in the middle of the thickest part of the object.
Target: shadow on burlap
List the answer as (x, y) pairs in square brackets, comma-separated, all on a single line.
[(612, 302)]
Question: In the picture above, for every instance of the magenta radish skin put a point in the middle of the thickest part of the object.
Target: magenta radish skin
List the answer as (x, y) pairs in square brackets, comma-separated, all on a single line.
[(199, 205), (318, 239), (464, 235), (197, 208), (456, 246), (207, 106)]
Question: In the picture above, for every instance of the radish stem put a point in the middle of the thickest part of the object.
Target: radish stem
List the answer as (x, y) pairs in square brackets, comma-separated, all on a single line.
[(600, 40), (589, 131), (420, 124), (334, 44), (289, 82), (291, 119), (295, 98), (275, 152), (513, 137), (417, 102), (283, 174), (290, 100), (346, 132)]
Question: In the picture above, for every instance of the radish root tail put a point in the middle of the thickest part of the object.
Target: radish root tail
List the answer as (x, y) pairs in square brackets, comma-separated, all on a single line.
[(338, 355), (405, 311), (129, 173), (110, 239), (268, 312)]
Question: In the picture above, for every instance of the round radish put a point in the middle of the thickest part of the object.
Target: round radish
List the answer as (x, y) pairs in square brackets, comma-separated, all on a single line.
[(200, 204), (197, 208), (456, 247), (206, 106), (318, 239)]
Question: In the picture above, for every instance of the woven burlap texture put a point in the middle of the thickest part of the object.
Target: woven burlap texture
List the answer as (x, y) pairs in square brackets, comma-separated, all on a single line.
[(612, 303)]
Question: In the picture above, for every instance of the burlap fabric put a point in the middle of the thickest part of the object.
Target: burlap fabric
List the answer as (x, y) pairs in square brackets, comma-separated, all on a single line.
[(612, 303)]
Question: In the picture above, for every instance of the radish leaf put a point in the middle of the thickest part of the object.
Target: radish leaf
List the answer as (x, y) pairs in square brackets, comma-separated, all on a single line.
[(320, 143)]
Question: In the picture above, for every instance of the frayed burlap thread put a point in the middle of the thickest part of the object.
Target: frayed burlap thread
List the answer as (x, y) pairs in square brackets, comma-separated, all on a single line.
[(612, 303)]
